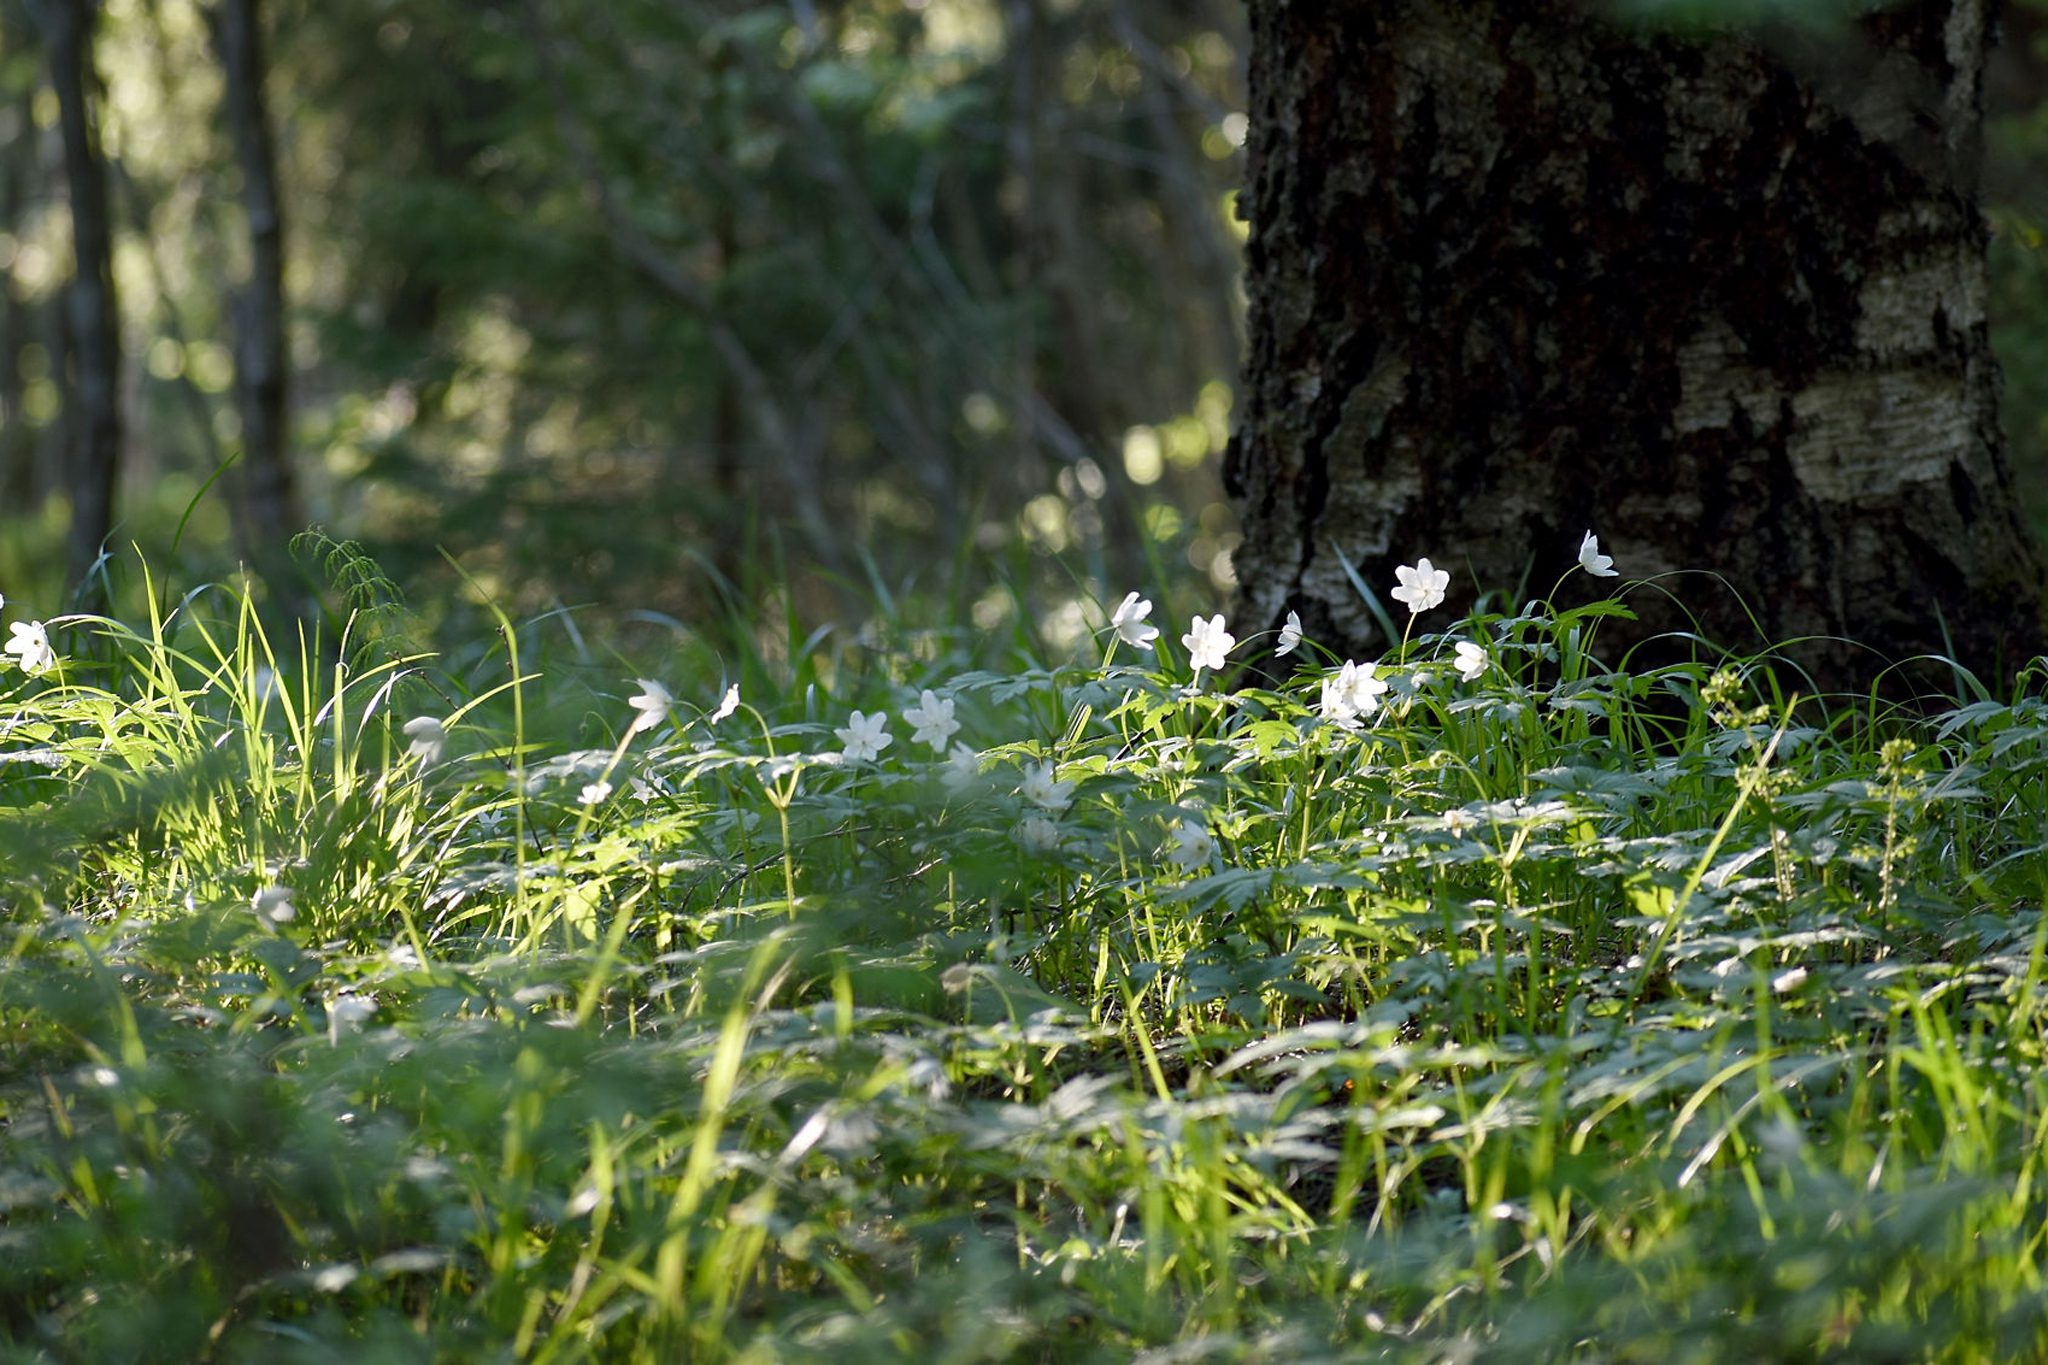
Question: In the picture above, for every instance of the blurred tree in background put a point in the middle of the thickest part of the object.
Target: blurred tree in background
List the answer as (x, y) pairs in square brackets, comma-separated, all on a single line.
[(591, 293), (600, 296), (91, 322)]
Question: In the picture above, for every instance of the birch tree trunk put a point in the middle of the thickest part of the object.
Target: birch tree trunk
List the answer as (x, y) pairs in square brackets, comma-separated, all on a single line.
[(1517, 271)]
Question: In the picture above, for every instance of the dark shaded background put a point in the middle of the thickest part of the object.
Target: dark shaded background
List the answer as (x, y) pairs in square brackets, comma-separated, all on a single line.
[(652, 305)]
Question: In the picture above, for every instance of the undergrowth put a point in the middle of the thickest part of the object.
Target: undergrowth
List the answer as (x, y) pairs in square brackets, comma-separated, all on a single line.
[(363, 1003)]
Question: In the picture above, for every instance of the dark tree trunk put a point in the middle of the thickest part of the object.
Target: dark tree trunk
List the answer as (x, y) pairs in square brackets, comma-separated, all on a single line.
[(18, 491), (1517, 271), (269, 512), (95, 428)]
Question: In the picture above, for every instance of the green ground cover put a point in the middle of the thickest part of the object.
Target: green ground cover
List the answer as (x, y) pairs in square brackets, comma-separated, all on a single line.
[(1496, 1001)]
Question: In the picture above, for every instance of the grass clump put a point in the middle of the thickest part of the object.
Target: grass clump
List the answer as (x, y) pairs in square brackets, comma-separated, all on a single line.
[(1479, 1003)]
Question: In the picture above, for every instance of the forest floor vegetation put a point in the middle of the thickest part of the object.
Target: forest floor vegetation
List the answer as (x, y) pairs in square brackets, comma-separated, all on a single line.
[(815, 1000)]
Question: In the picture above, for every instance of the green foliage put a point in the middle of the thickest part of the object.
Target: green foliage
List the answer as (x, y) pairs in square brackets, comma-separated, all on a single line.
[(1560, 1009), (605, 286)]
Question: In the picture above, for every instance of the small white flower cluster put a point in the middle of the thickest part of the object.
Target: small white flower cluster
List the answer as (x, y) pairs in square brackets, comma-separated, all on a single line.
[(1208, 642), (934, 720), (653, 702), (427, 741), (1421, 585), (1352, 694), (864, 736)]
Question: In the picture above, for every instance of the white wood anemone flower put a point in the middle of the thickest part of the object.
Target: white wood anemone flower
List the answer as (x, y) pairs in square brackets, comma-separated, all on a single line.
[(1192, 844), (1208, 643), (29, 642), (1040, 789), (651, 704), (1290, 635), (1422, 586), (1592, 561), (429, 738), (864, 737), (1129, 622), (933, 719)]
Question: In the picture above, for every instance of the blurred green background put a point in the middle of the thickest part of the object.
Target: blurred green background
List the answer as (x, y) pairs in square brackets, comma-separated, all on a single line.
[(661, 306)]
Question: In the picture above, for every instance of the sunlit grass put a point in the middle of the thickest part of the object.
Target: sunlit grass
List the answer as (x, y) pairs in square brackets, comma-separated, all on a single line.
[(1651, 1015)]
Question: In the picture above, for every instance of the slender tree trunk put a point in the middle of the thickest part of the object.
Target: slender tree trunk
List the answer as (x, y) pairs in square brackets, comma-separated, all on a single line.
[(1517, 272), (17, 442), (729, 531), (94, 456), (61, 435), (1049, 221), (269, 512)]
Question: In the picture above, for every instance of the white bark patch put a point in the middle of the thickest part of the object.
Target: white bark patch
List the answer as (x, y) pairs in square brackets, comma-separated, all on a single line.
[(1861, 435), (1361, 508), (1367, 407), (1717, 381), (1923, 220), (1884, 102), (1900, 306), (1964, 38)]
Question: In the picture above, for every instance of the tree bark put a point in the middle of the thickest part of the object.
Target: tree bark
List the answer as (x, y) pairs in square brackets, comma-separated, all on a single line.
[(95, 428), (269, 511), (1517, 271)]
